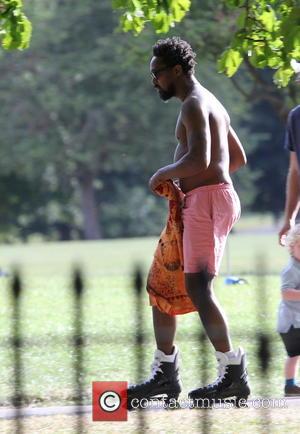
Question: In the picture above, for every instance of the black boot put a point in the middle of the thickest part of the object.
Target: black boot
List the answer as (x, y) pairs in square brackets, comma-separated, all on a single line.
[(293, 390), (164, 380), (232, 382)]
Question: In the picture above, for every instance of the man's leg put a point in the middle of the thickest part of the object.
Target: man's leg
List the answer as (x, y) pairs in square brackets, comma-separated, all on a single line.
[(208, 217), (164, 330), (232, 381), (164, 379), (200, 289)]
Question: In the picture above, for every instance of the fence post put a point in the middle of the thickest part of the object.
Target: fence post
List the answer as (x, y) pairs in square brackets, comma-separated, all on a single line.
[(139, 336), (16, 289), (264, 341), (78, 343), (205, 414)]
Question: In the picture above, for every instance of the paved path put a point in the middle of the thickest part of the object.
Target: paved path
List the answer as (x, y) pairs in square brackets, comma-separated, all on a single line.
[(10, 413)]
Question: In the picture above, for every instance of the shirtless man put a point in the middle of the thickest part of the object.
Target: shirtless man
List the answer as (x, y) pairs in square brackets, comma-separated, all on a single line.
[(208, 150)]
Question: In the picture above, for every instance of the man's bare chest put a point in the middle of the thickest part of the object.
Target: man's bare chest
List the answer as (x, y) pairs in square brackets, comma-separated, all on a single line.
[(180, 132)]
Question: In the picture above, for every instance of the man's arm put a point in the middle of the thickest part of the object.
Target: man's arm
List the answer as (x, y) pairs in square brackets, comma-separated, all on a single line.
[(292, 197), (291, 294), (237, 154), (195, 120)]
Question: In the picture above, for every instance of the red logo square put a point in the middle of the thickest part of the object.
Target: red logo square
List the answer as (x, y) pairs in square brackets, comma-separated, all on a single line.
[(109, 400)]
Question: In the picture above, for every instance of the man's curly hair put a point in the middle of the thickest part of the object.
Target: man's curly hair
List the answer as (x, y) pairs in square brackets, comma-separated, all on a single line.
[(176, 51)]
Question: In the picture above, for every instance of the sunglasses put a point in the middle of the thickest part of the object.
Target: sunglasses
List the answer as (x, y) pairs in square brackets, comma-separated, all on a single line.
[(155, 74)]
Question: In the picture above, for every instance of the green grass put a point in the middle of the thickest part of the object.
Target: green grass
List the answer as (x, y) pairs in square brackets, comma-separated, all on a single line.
[(253, 221), (109, 315)]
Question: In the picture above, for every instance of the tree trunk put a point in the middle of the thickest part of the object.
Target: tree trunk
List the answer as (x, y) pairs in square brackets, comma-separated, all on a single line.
[(91, 222)]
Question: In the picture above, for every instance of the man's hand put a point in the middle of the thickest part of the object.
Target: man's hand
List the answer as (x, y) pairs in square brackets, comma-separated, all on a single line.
[(283, 231), (156, 179)]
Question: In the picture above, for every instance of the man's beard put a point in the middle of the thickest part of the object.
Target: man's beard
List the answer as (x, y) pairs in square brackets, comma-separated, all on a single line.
[(165, 95)]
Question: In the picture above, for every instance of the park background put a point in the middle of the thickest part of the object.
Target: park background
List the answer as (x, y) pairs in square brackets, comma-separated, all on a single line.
[(82, 130)]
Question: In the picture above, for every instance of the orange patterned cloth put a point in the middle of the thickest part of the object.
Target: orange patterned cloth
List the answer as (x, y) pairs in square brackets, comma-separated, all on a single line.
[(165, 283)]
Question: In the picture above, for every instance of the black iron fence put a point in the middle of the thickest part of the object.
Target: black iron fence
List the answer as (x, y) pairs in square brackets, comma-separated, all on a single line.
[(18, 400)]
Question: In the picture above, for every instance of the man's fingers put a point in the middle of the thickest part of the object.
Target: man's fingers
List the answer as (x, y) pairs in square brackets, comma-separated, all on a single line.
[(281, 241), (282, 237)]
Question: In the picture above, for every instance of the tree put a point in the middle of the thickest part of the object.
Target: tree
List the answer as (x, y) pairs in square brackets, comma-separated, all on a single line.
[(262, 134), (263, 116), (15, 28), (82, 129), (266, 32), (268, 160), (80, 118)]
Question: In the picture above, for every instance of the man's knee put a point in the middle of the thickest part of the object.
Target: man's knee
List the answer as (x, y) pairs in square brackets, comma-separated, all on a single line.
[(198, 286), (200, 280)]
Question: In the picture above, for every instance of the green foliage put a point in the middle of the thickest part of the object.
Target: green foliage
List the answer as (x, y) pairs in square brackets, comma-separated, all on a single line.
[(268, 35), (230, 61), (15, 28), (266, 32), (163, 14), (77, 114), (83, 107)]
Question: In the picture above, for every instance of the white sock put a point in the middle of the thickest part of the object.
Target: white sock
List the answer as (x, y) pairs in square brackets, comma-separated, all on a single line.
[(230, 357), (167, 358), (231, 354)]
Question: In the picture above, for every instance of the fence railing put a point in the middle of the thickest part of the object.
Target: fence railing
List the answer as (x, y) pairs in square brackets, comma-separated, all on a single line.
[(18, 400)]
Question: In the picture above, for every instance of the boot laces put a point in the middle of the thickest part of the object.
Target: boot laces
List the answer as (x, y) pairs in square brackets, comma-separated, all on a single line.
[(222, 370), (155, 368)]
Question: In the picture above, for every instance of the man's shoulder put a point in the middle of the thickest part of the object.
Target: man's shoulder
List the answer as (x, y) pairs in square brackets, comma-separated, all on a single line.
[(295, 112), (192, 104), (198, 99)]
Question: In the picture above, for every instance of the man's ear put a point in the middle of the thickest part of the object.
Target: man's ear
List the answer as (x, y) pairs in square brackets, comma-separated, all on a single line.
[(178, 70)]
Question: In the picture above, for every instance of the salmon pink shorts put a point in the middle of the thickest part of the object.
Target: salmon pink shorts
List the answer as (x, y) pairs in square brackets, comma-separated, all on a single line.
[(208, 214)]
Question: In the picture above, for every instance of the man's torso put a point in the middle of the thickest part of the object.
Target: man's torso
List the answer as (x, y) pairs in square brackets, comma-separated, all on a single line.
[(218, 169), (292, 138)]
